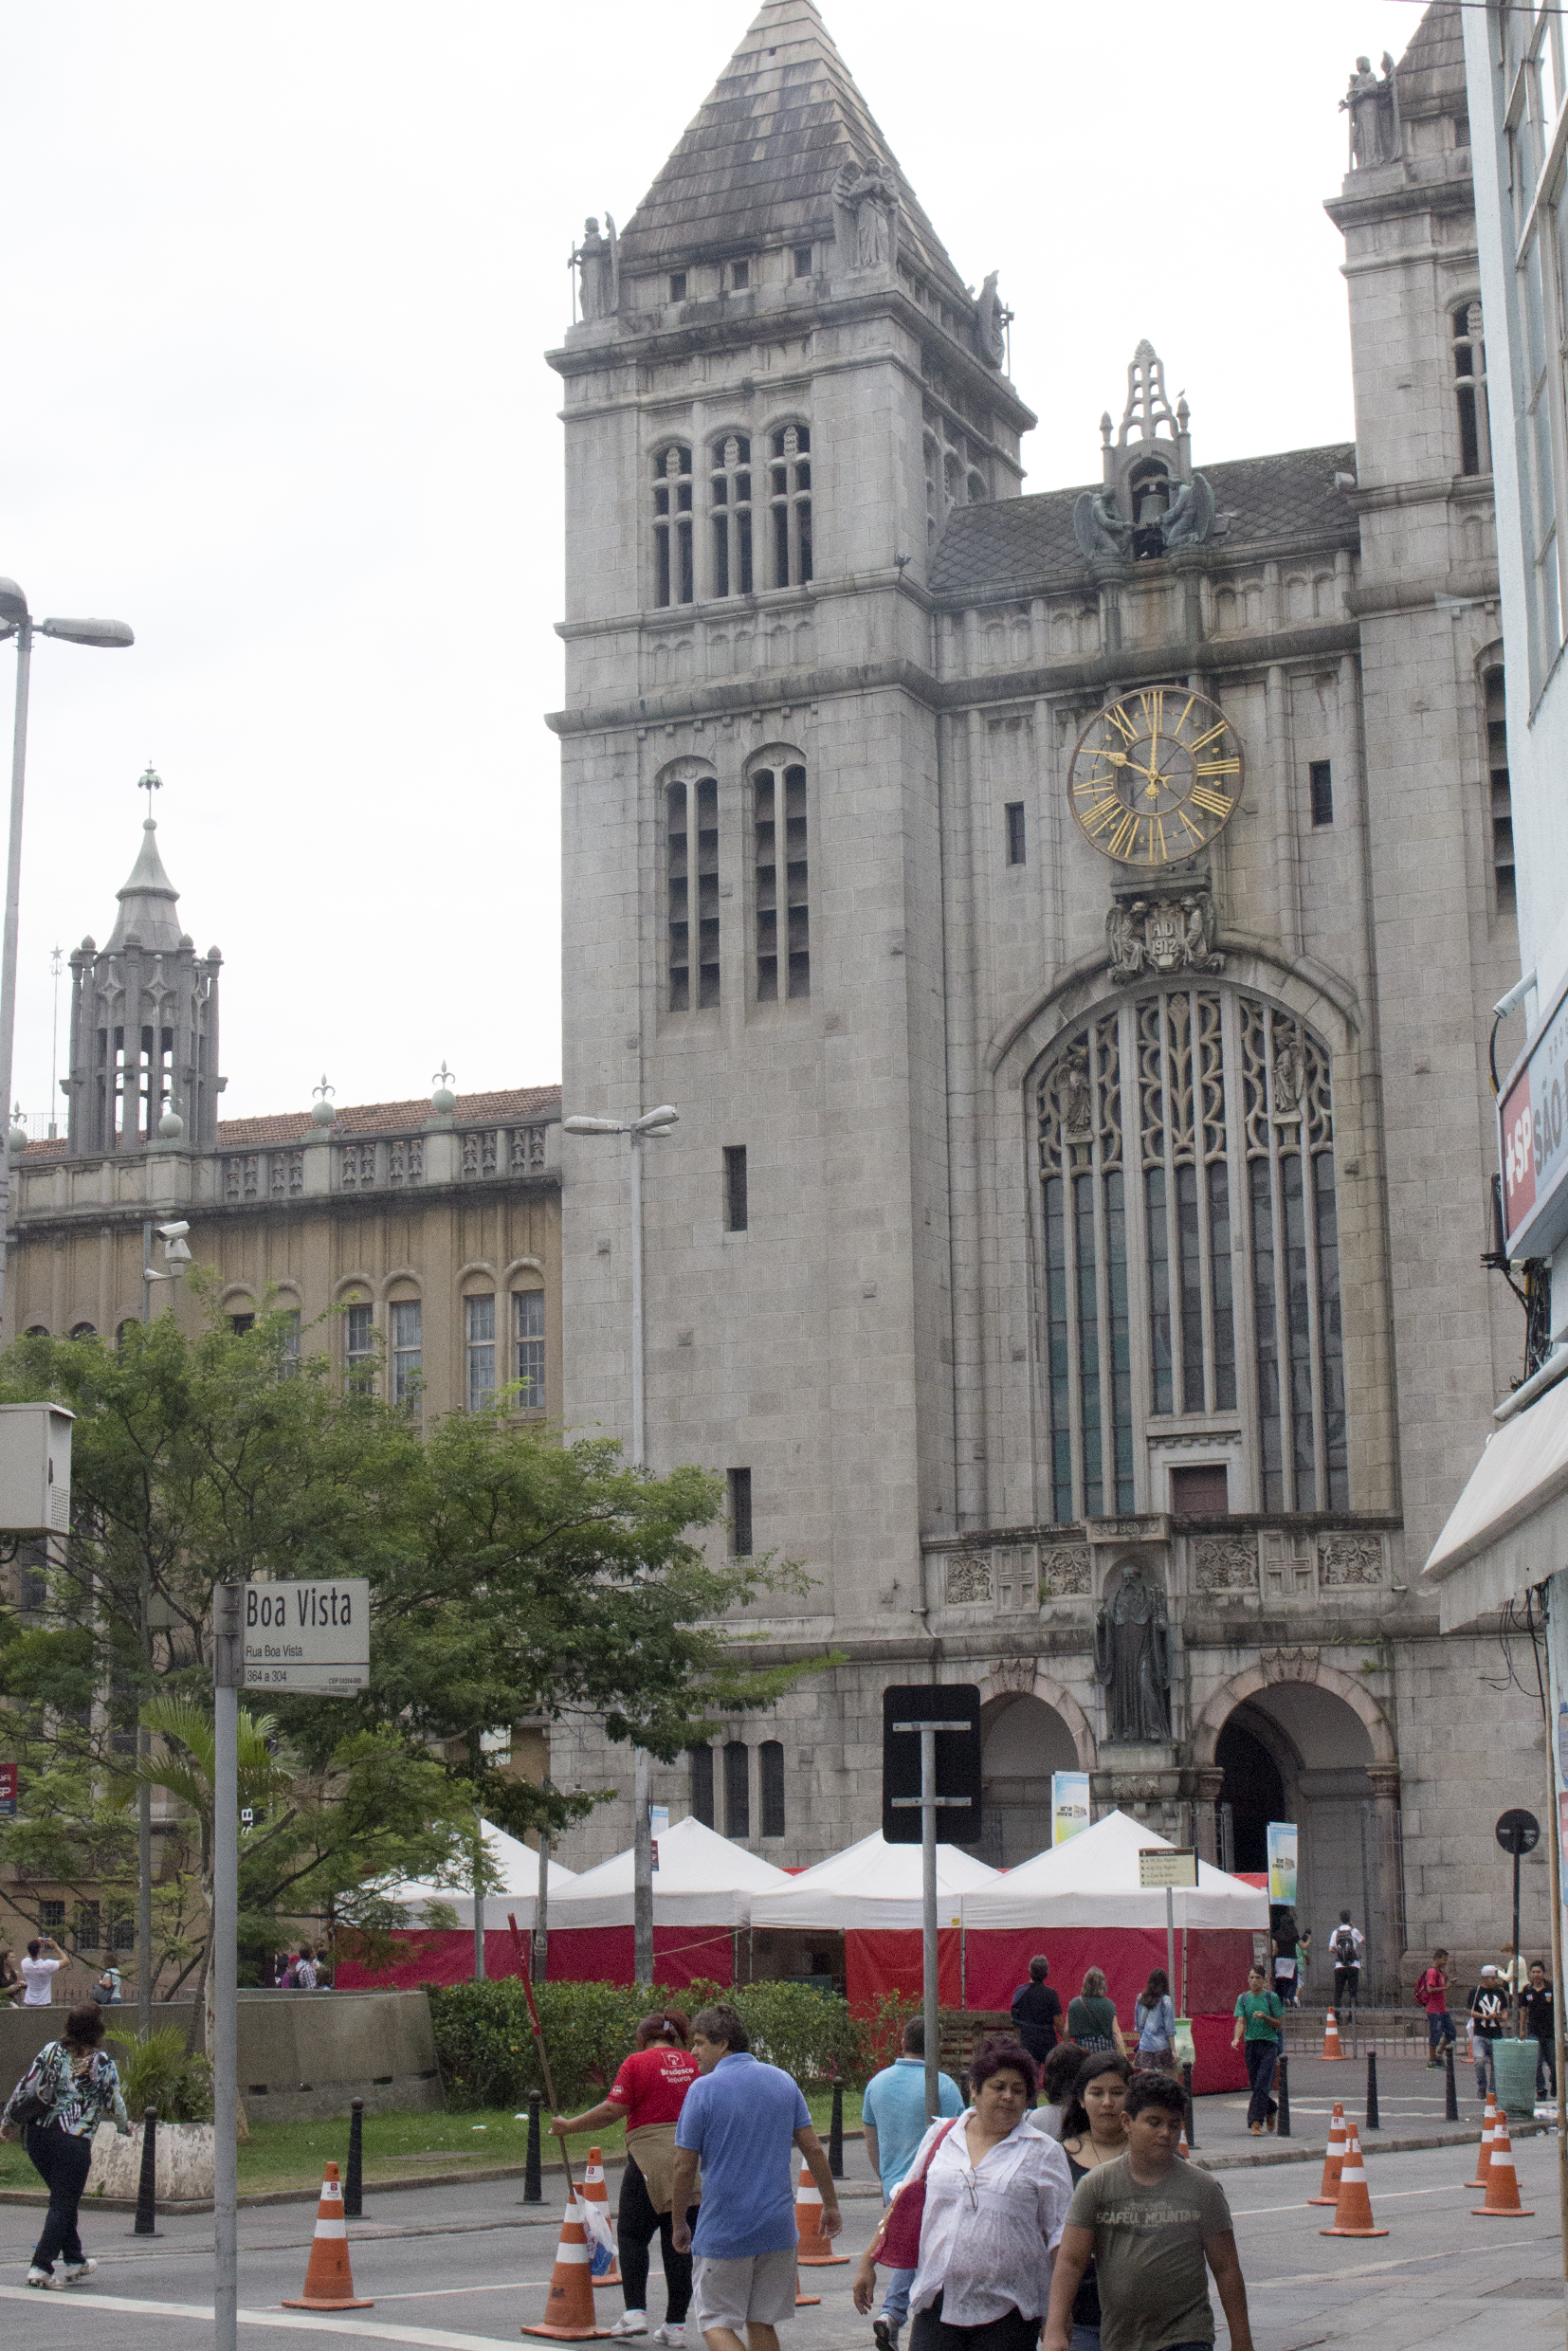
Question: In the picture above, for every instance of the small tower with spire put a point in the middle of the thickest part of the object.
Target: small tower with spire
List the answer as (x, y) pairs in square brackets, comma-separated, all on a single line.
[(145, 1022)]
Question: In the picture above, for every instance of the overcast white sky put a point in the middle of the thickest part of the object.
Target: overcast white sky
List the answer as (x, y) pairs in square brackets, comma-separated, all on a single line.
[(275, 287)]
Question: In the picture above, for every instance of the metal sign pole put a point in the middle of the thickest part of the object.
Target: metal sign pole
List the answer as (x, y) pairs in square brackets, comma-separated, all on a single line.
[(1170, 1941), (928, 1915), (227, 1676)]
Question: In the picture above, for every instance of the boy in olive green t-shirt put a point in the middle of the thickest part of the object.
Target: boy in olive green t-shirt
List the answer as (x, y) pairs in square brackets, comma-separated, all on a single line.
[(1151, 2223)]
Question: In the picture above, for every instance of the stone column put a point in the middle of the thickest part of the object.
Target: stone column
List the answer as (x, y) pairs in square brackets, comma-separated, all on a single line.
[(1386, 1872), (1206, 1788)]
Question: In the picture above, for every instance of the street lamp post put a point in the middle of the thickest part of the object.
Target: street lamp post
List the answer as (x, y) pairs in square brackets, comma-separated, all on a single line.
[(651, 1128), (16, 621), (176, 1256)]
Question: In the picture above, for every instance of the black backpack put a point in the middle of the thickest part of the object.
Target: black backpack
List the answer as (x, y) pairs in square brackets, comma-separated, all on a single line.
[(1344, 1946)]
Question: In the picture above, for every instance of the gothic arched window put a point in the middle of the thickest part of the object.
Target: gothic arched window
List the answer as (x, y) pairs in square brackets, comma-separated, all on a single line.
[(780, 883), (1189, 1258), (672, 556), (1469, 386), (691, 880), (729, 490), (790, 496)]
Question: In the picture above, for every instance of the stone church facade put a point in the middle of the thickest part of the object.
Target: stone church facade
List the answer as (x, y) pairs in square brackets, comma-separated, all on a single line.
[(1066, 921)]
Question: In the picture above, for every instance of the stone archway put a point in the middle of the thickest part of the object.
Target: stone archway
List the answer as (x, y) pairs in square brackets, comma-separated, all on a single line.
[(1027, 1735), (1292, 1666)]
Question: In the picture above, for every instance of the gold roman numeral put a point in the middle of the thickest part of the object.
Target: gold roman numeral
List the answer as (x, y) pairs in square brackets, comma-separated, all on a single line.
[(1092, 784), (1097, 818), (1125, 836), (1216, 767), (1153, 707), (1199, 742), (1216, 802), (1158, 853), (1118, 718), (1184, 818)]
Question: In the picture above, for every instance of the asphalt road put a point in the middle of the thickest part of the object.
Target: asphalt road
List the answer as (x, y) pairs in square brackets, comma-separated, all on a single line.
[(455, 2267)]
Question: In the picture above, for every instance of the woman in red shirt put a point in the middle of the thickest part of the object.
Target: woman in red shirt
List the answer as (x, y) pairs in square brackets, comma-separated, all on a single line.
[(649, 2093)]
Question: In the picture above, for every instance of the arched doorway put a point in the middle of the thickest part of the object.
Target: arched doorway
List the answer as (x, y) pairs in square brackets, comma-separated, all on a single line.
[(1023, 1743), (1252, 1794)]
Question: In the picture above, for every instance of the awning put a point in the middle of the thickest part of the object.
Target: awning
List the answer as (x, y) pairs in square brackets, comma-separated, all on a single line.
[(1509, 1528)]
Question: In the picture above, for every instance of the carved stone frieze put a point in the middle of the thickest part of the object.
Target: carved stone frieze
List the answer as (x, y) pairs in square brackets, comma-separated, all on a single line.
[(1225, 1564), (1290, 1664), (1289, 1566), (968, 1577), (1064, 1571), (1350, 1560), (1162, 931), (1014, 1673)]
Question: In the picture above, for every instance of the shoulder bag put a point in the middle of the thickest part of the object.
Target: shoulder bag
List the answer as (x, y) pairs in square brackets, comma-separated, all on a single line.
[(898, 2241), (28, 2105)]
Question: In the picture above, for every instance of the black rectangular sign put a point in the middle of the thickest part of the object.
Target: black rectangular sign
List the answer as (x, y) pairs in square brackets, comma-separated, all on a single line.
[(958, 1759)]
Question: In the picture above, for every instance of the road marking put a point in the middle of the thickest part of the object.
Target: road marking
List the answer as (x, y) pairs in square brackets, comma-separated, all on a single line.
[(1385, 2195), (433, 2338), (1373, 2269)]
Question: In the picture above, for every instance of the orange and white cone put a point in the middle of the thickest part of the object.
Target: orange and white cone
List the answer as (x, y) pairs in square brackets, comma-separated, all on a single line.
[(1502, 2180), (817, 2251), (1334, 2160), (568, 2306), (1489, 2132), (1353, 2211), (1331, 2036), (594, 2192), (1182, 2148), (329, 2280), (803, 2302)]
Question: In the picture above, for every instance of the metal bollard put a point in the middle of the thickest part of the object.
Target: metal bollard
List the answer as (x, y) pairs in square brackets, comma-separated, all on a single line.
[(1373, 2122), (533, 2186), (353, 2177), (835, 2130), (147, 2186), (1281, 2126), (1451, 2099), (1187, 2088)]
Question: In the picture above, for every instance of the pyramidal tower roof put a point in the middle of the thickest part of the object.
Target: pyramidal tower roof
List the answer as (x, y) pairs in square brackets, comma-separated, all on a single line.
[(759, 164), (148, 901)]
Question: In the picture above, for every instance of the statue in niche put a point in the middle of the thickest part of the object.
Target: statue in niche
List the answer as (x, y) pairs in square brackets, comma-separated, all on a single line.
[(1098, 526), (992, 322), (1190, 518), (1075, 1094), (1132, 1660), (1373, 106), (598, 263), (870, 202)]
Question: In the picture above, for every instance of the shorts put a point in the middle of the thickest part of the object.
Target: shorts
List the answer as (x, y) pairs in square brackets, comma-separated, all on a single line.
[(758, 2289)]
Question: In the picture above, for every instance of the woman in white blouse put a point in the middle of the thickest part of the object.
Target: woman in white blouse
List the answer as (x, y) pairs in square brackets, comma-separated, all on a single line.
[(997, 2195)]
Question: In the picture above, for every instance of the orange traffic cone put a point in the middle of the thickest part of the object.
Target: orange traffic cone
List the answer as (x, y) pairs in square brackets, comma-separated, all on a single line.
[(1182, 2148), (817, 2251), (1331, 2036), (1353, 2211), (329, 2280), (803, 2302), (1501, 2180), (568, 2306), (1328, 2192), (1489, 2132), (594, 2192)]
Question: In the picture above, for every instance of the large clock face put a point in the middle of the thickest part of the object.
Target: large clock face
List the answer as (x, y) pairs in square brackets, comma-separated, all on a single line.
[(1155, 776)]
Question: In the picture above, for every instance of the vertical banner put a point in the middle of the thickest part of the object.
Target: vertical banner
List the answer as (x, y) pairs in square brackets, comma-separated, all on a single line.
[(1556, 1666), (1069, 1805), (1282, 1861), (8, 1791)]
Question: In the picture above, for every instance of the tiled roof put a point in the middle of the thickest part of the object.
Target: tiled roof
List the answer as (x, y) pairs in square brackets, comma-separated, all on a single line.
[(1015, 545), (295, 1126), (1432, 66), (757, 165)]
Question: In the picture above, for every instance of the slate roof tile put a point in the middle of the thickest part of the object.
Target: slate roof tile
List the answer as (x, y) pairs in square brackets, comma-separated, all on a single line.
[(393, 1118)]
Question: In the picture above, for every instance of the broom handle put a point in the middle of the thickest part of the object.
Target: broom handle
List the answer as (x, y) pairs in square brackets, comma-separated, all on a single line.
[(550, 2094)]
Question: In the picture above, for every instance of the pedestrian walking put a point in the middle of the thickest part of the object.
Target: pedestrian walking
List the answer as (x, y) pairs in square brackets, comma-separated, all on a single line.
[(1057, 2076), (305, 1976), (1150, 2222), (1510, 1966), (69, 2090), (743, 2121), (39, 1971), (1037, 2012), (1538, 2005), (12, 1985), (1091, 2017), (1096, 2133), (1304, 1960), (893, 2116), (648, 2095), (1346, 1949), (1285, 1957), (1260, 2036), (1489, 2013), (106, 1990), (1154, 2023), (1431, 1993), (995, 2196)]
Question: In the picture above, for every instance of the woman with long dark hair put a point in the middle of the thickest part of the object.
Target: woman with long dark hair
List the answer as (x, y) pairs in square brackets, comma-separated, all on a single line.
[(647, 2094), (69, 2090), (1153, 2021), (1094, 2131)]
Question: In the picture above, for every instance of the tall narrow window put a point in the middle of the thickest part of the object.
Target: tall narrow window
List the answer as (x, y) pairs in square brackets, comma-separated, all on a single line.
[(359, 1345), (702, 1786), (678, 860), (730, 491), (780, 882), (673, 581), (1319, 776), (691, 858), (735, 1187), (738, 1788), (800, 941), (291, 1346), (1500, 795), (677, 286), (1469, 385), (741, 1513), (1015, 845), (705, 795), (789, 498), (480, 1340), (408, 1349), (528, 1334), (803, 260), (770, 1759), (1058, 1350)]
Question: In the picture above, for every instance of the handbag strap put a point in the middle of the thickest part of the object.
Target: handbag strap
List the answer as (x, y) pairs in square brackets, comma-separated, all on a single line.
[(912, 2180)]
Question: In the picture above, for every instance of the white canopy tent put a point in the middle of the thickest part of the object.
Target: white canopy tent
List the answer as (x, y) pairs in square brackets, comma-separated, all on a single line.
[(702, 1880), (518, 1868), (872, 1884), (1093, 1881)]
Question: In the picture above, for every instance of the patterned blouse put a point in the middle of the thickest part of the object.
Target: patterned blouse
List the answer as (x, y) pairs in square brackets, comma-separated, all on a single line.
[(80, 2100)]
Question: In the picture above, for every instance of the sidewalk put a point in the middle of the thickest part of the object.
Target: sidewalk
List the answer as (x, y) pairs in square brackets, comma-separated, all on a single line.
[(1410, 2102)]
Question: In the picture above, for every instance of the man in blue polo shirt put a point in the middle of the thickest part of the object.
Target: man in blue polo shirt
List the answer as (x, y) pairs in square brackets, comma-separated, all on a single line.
[(741, 2120), (893, 2113)]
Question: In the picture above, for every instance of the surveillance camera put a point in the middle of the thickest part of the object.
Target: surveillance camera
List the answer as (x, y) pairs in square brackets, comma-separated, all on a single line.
[(174, 1233)]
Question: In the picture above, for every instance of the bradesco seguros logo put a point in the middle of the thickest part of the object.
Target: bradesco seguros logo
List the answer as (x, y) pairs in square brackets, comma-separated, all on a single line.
[(1532, 1138)]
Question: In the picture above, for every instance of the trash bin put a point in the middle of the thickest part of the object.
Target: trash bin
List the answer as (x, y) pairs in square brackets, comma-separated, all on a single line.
[(1515, 2062)]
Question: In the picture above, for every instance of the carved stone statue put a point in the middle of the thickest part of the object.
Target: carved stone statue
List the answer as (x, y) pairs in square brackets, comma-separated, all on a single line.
[(1097, 527), (1075, 1094), (991, 322), (599, 261), (868, 208), (1190, 516), (1373, 106), (1132, 1659), (1163, 932)]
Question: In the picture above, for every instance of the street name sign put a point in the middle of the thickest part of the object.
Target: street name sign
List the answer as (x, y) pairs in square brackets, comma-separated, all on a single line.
[(308, 1637), (1167, 1865)]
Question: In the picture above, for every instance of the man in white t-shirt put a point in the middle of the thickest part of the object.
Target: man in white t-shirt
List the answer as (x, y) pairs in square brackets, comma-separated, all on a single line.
[(38, 1973)]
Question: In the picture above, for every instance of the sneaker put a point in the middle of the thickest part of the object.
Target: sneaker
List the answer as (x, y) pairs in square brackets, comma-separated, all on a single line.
[(886, 2334), (1256, 2129), (46, 2277), (629, 2322), (77, 2270), (671, 2334)]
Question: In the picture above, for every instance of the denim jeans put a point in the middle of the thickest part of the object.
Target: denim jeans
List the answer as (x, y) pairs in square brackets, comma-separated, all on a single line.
[(1439, 2030), (895, 2300), (1547, 2070), (1485, 2072), (1084, 2337), (1261, 2057), (63, 2160)]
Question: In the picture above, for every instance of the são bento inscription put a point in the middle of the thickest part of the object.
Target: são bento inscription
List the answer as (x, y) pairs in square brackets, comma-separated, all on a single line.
[(313, 1637)]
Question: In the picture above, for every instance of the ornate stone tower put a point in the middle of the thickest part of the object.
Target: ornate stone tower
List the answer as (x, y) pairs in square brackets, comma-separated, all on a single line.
[(144, 1025)]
